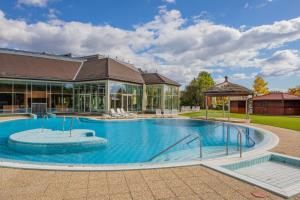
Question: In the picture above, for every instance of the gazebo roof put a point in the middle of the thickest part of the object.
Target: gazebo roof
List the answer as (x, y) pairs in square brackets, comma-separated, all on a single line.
[(228, 89)]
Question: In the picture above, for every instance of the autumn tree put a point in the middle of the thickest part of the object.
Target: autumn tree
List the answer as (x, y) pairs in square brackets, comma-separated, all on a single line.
[(295, 91), (193, 93), (260, 86)]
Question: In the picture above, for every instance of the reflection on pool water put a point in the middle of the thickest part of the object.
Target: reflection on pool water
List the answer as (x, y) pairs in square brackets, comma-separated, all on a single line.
[(129, 141)]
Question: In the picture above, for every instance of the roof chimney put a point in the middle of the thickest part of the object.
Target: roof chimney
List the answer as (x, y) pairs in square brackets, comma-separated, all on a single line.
[(226, 78)]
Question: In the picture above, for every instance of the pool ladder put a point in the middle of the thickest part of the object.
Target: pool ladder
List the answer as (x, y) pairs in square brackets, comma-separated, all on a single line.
[(239, 138), (196, 137), (71, 124), (43, 122)]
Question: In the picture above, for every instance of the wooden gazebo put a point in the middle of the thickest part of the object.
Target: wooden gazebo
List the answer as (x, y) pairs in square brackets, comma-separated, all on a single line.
[(232, 91)]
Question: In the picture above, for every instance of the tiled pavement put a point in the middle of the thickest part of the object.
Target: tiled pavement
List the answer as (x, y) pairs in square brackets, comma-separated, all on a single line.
[(188, 183), (289, 140), (195, 182)]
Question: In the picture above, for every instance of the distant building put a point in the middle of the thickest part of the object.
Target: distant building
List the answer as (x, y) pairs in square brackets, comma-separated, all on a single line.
[(90, 84), (237, 95), (276, 104)]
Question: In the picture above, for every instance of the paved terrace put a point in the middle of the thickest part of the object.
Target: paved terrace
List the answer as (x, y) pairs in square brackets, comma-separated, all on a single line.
[(195, 182)]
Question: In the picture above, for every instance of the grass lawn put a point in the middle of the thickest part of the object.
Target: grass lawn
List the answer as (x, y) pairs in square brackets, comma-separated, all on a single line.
[(289, 122)]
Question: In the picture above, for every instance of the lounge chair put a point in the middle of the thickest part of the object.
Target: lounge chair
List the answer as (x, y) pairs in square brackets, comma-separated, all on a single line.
[(158, 113), (119, 112), (186, 109), (113, 113), (167, 113), (127, 113)]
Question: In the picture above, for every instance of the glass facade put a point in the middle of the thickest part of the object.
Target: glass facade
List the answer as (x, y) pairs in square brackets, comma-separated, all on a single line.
[(162, 97), (154, 97), (89, 97), (86, 97), (171, 94), (126, 96), (20, 96)]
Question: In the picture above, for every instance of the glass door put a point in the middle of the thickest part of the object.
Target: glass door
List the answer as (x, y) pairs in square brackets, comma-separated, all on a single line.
[(80, 102), (84, 103), (87, 103), (125, 102), (130, 103)]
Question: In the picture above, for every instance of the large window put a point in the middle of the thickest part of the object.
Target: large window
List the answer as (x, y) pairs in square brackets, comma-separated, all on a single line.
[(90, 97), (56, 97), (13, 97), (154, 93), (39, 92), (67, 101), (126, 96), (6, 97), (171, 97), (19, 96)]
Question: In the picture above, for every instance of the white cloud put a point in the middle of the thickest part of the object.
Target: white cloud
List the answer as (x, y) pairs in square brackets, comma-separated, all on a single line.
[(261, 4), (36, 3), (204, 15), (239, 76), (169, 1), (52, 13), (281, 63), (167, 43)]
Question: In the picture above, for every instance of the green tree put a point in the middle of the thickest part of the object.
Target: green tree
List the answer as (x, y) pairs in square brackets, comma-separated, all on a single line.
[(193, 93), (260, 86), (295, 91)]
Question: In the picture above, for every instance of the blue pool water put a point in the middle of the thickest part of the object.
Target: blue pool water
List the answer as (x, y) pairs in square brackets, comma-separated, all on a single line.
[(131, 141)]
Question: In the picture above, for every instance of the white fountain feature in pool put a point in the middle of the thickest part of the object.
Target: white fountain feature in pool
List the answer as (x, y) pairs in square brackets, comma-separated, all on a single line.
[(47, 141)]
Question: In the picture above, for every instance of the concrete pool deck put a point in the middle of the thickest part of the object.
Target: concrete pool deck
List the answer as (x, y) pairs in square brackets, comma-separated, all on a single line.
[(193, 182)]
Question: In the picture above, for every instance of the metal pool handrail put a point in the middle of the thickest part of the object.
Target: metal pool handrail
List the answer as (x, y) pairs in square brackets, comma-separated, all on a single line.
[(239, 138), (63, 124), (197, 137), (247, 135), (43, 122), (250, 138), (176, 143), (71, 125)]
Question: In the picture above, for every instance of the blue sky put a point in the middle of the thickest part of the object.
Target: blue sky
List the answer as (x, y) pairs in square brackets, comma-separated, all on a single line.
[(238, 38)]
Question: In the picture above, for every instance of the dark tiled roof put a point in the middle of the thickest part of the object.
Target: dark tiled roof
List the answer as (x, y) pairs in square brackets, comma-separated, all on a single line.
[(28, 66), (16, 64), (276, 96), (107, 68), (155, 78), (228, 89)]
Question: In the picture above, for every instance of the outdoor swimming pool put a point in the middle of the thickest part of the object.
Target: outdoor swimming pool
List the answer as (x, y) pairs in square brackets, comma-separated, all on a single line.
[(130, 141)]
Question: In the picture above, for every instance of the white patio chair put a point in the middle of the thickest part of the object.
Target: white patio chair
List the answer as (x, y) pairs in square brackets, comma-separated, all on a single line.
[(113, 113), (119, 112), (167, 113), (127, 113), (158, 113)]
